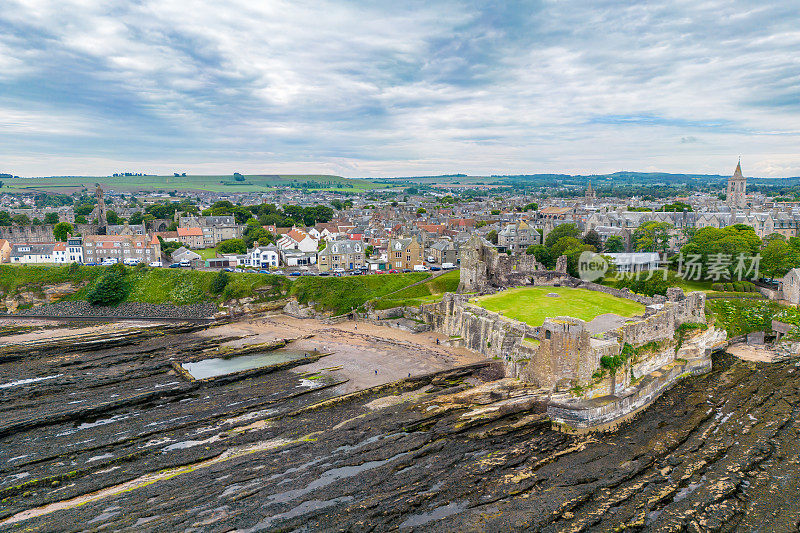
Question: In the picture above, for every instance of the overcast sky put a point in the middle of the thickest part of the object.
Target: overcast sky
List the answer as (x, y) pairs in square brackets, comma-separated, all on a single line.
[(399, 88)]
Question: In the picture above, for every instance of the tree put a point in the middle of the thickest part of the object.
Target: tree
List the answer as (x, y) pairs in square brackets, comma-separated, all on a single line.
[(51, 218), (421, 211), (232, 246), (369, 250), (711, 244), (675, 207), (562, 230), (652, 236), (533, 206), (492, 236), (62, 231), (614, 245), (5, 218), (238, 177), (219, 282), (21, 220), (592, 238), (113, 218), (109, 289), (136, 218), (777, 258), (80, 219), (495, 211), (36, 222)]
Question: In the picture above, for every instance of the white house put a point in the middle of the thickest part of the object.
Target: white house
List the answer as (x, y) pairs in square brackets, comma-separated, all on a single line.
[(32, 253), (264, 256), (635, 261), (297, 239)]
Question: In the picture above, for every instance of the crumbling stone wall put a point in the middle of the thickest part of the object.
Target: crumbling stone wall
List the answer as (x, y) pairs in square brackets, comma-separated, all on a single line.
[(661, 325), (482, 267)]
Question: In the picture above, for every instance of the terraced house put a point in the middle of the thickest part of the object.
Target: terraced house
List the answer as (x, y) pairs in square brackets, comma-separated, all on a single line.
[(97, 248), (345, 254), (406, 253)]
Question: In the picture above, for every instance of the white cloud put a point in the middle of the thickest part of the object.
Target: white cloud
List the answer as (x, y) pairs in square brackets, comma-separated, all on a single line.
[(388, 89)]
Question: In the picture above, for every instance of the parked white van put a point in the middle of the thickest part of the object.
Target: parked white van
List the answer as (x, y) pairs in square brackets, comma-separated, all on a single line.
[(448, 266), (420, 268)]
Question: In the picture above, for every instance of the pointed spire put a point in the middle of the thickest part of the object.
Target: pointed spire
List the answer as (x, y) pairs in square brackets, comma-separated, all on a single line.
[(738, 172)]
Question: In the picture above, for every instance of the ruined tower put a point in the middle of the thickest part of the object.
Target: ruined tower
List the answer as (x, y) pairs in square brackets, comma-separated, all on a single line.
[(737, 188), (101, 207)]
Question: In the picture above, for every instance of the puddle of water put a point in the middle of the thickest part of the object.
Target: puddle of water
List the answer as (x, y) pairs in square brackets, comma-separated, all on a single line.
[(26, 381), (101, 422), (435, 514), (100, 457), (302, 509), (331, 476), (211, 368)]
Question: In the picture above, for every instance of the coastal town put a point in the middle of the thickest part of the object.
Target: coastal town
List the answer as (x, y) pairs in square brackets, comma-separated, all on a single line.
[(414, 267), (322, 232)]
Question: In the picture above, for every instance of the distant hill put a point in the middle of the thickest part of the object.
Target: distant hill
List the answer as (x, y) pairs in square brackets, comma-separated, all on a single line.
[(213, 183)]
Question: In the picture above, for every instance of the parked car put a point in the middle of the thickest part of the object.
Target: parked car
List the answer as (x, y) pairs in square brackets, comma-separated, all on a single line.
[(109, 262), (185, 263), (295, 274), (406, 270), (278, 272), (262, 271), (175, 265), (131, 261), (448, 266), (338, 270), (356, 272), (228, 269), (325, 273), (420, 268), (379, 272), (155, 264), (92, 264), (435, 268), (393, 271)]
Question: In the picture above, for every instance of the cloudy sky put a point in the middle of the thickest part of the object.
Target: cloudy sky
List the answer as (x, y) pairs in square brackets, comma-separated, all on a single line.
[(380, 88)]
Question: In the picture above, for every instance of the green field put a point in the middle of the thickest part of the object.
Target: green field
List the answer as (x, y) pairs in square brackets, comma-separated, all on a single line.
[(206, 253), (218, 183), (341, 295), (423, 293), (532, 305)]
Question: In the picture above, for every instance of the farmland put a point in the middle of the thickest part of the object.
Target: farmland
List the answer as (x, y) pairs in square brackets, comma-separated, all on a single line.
[(211, 183)]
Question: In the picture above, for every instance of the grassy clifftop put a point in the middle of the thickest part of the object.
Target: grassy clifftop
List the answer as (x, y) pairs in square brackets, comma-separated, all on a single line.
[(340, 295), (182, 286)]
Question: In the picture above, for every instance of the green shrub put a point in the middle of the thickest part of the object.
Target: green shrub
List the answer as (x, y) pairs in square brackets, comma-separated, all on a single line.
[(219, 282), (110, 289)]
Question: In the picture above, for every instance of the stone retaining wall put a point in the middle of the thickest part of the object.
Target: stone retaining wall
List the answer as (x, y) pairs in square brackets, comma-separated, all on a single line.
[(79, 309)]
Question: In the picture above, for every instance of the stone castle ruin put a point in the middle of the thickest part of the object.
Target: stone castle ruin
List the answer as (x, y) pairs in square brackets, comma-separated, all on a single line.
[(598, 376), (483, 268)]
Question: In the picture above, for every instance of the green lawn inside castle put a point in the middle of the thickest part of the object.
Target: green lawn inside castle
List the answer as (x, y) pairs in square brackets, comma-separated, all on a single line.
[(532, 305)]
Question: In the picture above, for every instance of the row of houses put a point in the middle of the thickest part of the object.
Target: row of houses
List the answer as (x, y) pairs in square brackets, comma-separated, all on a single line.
[(89, 249)]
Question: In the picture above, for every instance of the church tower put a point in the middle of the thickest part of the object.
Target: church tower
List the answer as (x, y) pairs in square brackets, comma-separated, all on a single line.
[(737, 188), (590, 196)]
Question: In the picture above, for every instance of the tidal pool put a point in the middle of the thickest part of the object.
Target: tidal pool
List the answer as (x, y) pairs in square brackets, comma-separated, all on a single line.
[(210, 368)]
